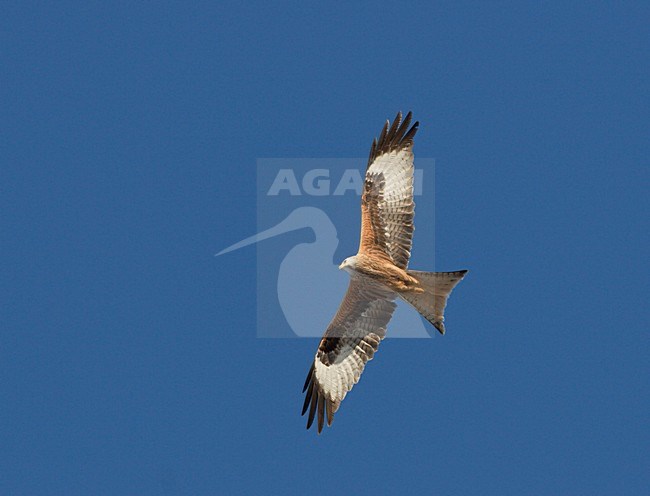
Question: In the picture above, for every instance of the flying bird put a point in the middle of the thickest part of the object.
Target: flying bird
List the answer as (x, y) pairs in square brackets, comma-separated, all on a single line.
[(379, 274)]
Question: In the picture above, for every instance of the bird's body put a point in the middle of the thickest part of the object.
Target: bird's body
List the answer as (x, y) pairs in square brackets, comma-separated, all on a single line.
[(379, 267), (378, 275)]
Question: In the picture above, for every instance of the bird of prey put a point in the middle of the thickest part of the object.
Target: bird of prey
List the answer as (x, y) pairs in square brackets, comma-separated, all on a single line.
[(378, 275)]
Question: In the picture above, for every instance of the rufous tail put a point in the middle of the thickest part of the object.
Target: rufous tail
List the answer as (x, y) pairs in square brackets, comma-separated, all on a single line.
[(437, 287)]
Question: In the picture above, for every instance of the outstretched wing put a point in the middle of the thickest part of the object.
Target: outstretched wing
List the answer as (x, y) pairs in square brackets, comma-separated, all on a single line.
[(387, 206), (351, 339)]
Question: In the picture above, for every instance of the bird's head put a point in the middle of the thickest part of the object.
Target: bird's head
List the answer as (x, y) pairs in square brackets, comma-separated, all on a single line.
[(348, 264)]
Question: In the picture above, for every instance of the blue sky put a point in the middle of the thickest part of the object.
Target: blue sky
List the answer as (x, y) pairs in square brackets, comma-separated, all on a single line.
[(129, 361)]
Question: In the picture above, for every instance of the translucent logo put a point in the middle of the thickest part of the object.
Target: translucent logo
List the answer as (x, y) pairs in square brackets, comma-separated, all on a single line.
[(308, 221)]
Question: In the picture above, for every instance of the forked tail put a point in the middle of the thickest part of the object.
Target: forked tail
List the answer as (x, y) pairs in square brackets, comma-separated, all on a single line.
[(437, 287)]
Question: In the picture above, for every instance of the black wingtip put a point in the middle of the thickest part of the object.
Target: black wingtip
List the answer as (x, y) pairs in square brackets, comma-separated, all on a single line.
[(394, 135), (309, 377), (305, 405), (320, 407), (312, 409), (408, 137)]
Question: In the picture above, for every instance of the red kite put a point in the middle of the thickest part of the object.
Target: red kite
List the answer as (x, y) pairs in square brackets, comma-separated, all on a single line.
[(378, 274)]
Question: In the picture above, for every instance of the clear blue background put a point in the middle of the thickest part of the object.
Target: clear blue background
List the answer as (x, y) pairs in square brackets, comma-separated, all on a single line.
[(129, 362)]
